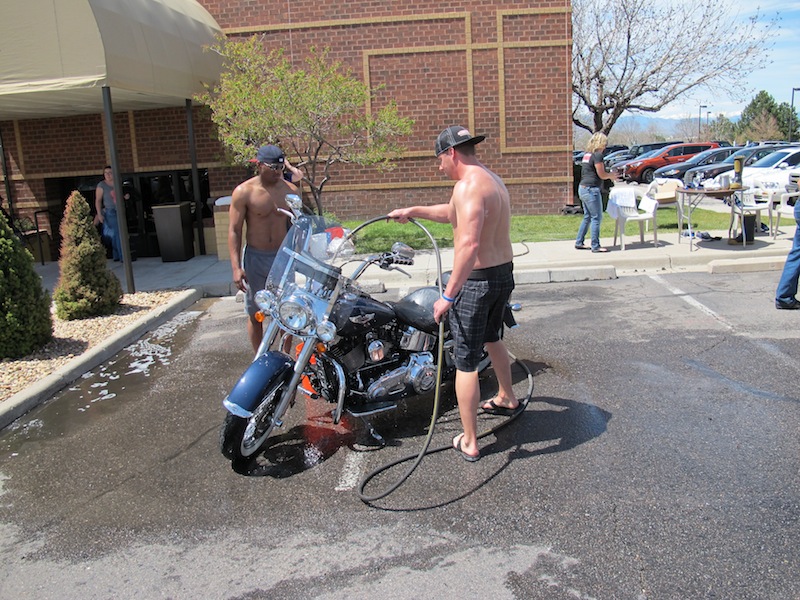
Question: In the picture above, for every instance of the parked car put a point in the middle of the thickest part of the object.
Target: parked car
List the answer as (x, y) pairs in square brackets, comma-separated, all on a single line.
[(577, 155), (642, 169), (613, 158), (794, 181), (748, 154), (772, 170), (707, 157), (635, 151), (619, 166)]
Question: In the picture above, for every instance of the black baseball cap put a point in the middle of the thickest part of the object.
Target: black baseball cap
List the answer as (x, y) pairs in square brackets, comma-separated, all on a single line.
[(269, 154), (455, 135)]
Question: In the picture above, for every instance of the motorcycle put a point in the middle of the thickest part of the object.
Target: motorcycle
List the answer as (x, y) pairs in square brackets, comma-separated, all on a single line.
[(360, 354)]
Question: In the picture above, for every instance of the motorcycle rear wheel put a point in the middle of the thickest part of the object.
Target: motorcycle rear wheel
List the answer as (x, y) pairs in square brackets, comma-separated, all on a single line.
[(241, 438)]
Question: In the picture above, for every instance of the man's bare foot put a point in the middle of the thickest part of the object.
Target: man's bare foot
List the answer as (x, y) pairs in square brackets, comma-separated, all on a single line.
[(496, 408), (467, 457)]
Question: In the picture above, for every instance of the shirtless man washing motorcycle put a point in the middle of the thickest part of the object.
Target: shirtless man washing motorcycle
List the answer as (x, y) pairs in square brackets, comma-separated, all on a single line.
[(482, 277)]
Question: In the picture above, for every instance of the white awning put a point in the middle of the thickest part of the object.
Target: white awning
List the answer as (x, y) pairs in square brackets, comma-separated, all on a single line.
[(56, 55)]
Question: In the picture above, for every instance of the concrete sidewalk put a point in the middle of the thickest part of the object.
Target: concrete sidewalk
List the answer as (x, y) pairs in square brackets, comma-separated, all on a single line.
[(538, 262)]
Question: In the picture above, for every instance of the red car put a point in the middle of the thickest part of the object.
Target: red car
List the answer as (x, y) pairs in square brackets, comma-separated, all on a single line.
[(641, 169)]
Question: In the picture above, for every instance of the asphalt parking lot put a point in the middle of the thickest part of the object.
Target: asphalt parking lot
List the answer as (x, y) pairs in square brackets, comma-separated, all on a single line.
[(657, 459)]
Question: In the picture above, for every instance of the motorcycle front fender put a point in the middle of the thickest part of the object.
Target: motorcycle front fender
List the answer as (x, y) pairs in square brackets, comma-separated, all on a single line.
[(253, 384)]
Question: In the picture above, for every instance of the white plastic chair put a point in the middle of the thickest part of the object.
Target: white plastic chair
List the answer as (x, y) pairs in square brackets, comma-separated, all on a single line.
[(665, 190), (784, 209), (648, 206), (744, 203)]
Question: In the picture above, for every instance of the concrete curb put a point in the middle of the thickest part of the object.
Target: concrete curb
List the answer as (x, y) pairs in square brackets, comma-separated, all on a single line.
[(24, 400)]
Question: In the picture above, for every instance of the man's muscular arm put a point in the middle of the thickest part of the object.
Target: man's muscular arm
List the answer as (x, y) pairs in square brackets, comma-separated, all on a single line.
[(237, 214), (469, 216), (438, 213)]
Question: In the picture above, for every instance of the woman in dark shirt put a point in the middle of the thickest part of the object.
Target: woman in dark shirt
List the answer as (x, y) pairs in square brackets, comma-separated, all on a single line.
[(592, 174)]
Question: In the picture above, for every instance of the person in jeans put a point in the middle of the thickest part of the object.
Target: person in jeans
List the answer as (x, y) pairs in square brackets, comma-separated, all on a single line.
[(787, 287), (592, 174), (106, 205)]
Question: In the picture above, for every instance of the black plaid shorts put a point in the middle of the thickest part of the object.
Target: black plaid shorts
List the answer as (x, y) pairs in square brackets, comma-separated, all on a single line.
[(476, 316)]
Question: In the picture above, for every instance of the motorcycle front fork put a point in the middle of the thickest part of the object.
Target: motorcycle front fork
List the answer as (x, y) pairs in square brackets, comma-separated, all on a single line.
[(291, 388), (267, 338)]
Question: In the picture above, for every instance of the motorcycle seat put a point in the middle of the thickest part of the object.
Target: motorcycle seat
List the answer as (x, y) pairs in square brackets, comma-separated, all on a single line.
[(416, 309)]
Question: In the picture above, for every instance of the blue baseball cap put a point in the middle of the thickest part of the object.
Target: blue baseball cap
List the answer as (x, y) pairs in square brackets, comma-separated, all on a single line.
[(269, 154)]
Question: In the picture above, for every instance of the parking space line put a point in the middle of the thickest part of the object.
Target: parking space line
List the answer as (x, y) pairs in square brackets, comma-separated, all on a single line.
[(351, 471), (691, 300)]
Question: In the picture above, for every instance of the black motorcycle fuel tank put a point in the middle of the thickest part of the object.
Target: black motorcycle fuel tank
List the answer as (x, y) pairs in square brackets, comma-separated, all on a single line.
[(358, 313)]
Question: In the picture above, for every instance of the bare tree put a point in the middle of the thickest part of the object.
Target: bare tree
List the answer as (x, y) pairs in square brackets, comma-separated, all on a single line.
[(641, 55)]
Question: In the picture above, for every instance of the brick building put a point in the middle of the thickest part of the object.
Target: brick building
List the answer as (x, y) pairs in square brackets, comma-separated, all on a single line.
[(500, 67)]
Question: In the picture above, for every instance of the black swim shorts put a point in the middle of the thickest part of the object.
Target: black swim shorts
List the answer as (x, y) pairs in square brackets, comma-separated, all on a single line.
[(256, 265), (476, 316)]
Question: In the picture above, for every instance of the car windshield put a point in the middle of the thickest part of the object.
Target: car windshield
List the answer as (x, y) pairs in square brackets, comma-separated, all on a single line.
[(649, 154), (770, 160), (703, 155)]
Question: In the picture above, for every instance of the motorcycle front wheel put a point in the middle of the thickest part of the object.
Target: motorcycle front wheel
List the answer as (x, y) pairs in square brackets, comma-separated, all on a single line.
[(241, 437)]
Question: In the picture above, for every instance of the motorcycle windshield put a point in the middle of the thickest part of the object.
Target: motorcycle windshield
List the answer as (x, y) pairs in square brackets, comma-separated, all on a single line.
[(303, 282)]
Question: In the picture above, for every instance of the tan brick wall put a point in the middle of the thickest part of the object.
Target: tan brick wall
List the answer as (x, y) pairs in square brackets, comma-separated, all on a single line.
[(501, 68)]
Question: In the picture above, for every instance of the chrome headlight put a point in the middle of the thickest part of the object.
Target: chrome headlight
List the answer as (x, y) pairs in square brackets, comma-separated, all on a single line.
[(769, 185), (295, 313), (326, 331), (265, 301), (635, 164), (670, 172)]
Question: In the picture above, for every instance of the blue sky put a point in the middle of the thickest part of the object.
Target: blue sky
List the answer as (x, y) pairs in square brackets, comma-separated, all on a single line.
[(778, 78)]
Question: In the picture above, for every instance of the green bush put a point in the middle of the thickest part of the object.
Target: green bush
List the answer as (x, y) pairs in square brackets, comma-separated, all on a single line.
[(86, 287), (25, 320)]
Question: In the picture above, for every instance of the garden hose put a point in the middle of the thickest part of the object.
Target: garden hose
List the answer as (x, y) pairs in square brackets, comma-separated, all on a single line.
[(436, 401)]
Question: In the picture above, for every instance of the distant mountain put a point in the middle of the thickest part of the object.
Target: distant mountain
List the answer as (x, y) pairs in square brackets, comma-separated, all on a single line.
[(667, 124)]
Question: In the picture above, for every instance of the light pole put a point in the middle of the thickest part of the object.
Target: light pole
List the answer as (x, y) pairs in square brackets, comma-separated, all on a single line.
[(791, 122), (699, 119)]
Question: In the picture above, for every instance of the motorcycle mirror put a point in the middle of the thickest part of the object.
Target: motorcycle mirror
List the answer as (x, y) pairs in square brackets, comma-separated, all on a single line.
[(295, 203), (403, 250)]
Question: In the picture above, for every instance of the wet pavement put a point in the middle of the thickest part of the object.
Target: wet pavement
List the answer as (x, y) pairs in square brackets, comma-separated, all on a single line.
[(657, 459)]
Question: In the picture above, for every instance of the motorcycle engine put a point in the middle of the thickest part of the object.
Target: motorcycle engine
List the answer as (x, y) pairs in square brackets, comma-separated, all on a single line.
[(419, 373)]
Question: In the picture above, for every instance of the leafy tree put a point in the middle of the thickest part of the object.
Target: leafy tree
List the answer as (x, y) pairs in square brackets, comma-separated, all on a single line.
[(762, 126), (86, 288), (319, 114), (722, 128), (763, 109), (25, 320), (640, 55)]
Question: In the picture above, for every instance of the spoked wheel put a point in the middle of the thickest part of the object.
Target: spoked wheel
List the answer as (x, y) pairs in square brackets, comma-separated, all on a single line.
[(241, 437)]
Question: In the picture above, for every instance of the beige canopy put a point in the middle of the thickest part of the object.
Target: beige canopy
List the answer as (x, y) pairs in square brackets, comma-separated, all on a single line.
[(56, 55)]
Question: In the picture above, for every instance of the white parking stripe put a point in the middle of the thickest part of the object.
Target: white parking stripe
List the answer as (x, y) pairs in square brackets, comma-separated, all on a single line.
[(691, 301), (351, 471)]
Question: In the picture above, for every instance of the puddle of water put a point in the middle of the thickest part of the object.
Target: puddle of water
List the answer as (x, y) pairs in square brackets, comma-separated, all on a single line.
[(94, 394)]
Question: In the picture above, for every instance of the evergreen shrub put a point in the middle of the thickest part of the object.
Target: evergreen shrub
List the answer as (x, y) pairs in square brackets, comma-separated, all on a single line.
[(26, 323), (86, 287)]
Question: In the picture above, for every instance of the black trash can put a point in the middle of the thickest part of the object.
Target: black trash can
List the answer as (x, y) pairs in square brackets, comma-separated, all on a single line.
[(750, 228), (174, 231)]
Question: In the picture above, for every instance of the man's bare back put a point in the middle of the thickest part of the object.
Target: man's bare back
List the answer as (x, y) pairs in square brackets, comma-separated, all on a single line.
[(482, 191)]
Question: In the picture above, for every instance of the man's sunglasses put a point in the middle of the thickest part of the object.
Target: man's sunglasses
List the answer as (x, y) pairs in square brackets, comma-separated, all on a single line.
[(274, 166)]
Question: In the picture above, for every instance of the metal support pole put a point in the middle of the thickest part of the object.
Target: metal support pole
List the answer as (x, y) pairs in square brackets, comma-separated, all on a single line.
[(699, 122), (121, 216), (198, 206), (791, 122), (6, 179)]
